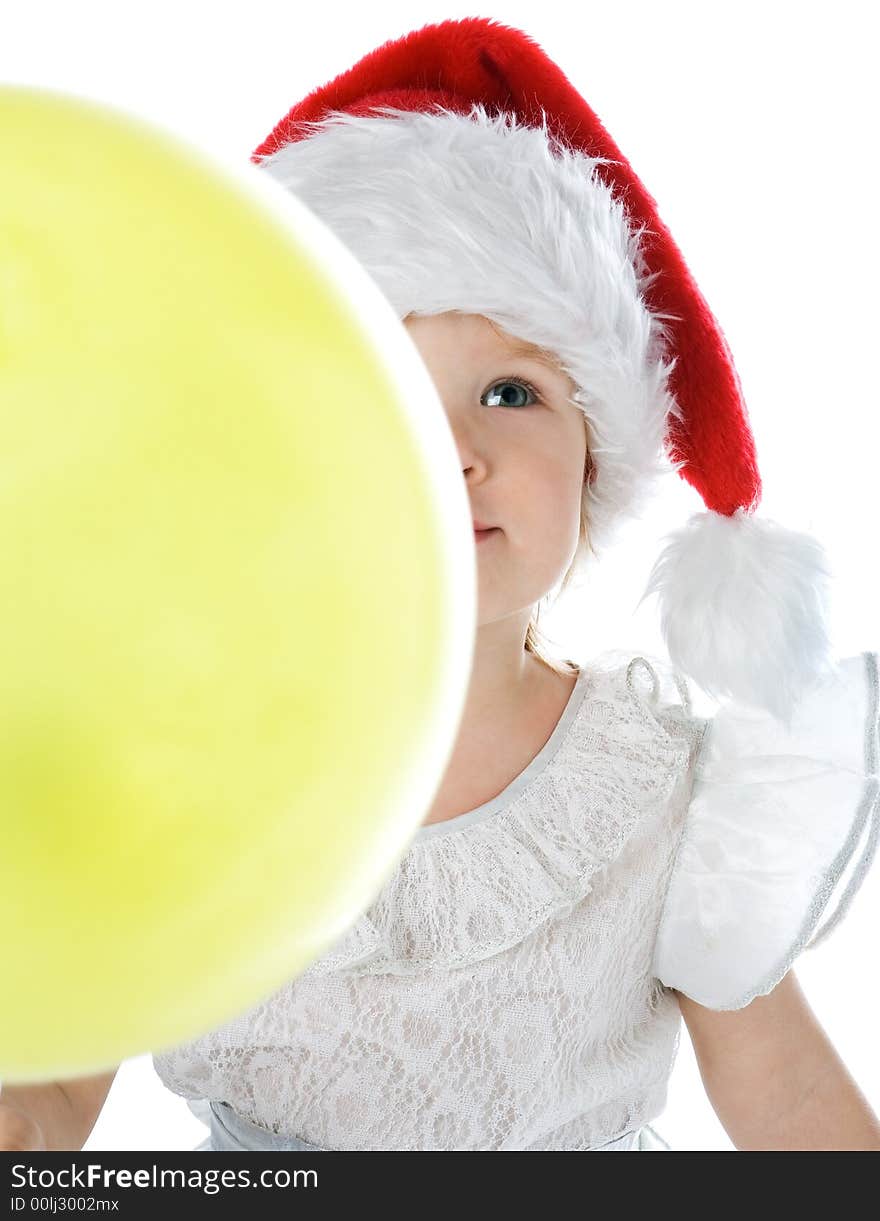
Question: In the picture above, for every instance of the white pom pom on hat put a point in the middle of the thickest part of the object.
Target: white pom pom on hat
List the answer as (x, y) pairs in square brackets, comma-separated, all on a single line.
[(459, 152), (744, 603)]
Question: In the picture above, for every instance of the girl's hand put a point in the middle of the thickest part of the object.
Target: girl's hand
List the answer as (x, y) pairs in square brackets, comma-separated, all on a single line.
[(19, 1131)]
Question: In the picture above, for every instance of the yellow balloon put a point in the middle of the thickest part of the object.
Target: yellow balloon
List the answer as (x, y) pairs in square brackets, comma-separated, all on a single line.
[(237, 588)]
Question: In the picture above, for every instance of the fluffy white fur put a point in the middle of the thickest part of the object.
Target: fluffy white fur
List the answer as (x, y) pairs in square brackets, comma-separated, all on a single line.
[(743, 606), (482, 215)]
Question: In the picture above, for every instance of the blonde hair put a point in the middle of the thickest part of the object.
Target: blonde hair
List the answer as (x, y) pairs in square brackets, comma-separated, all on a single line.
[(535, 641)]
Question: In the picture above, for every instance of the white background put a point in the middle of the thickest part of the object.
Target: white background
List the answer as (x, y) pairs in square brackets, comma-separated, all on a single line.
[(751, 125)]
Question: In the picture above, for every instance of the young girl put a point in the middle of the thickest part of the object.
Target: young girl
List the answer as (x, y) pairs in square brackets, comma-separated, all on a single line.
[(599, 861)]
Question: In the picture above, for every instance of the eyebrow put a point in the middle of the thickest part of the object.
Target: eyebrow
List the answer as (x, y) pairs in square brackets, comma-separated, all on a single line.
[(531, 352)]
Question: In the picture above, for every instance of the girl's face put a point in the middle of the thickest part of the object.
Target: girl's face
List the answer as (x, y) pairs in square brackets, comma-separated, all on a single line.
[(523, 448)]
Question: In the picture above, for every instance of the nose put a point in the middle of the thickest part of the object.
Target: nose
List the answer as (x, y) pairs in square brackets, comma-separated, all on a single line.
[(468, 440), (473, 461)]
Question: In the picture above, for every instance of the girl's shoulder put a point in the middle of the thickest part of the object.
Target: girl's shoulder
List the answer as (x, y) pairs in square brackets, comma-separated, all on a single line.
[(647, 688), (643, 671)]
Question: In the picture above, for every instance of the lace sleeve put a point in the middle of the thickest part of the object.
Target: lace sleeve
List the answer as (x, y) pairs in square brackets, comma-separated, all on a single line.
[(782, 820)]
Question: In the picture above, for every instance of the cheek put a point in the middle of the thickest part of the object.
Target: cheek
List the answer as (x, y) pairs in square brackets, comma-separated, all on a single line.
[(551, 525)]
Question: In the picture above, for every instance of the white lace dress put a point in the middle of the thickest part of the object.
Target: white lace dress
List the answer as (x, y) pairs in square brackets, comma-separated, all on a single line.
[(511, 985)]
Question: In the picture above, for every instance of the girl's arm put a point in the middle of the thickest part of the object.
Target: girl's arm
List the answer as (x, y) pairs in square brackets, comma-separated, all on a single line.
[(774, 1078), (52, 1114)]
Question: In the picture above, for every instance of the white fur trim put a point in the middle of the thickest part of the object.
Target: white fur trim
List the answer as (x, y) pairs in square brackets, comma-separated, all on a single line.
[(743, 608), (478, 214)]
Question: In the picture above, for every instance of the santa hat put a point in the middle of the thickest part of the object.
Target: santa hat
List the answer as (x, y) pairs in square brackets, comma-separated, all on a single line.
[(466, 173)]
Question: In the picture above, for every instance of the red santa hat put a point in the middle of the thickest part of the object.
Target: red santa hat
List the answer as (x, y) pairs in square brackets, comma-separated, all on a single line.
[(466, 173)]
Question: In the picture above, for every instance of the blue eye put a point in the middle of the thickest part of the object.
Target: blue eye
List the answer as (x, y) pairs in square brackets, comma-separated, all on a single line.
[(504, 399)]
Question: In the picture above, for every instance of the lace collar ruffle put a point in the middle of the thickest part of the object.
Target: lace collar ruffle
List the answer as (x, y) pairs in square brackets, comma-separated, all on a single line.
[(476, 890)]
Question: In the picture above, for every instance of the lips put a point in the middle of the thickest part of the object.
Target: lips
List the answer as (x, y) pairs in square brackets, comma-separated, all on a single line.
[(480, 526)]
